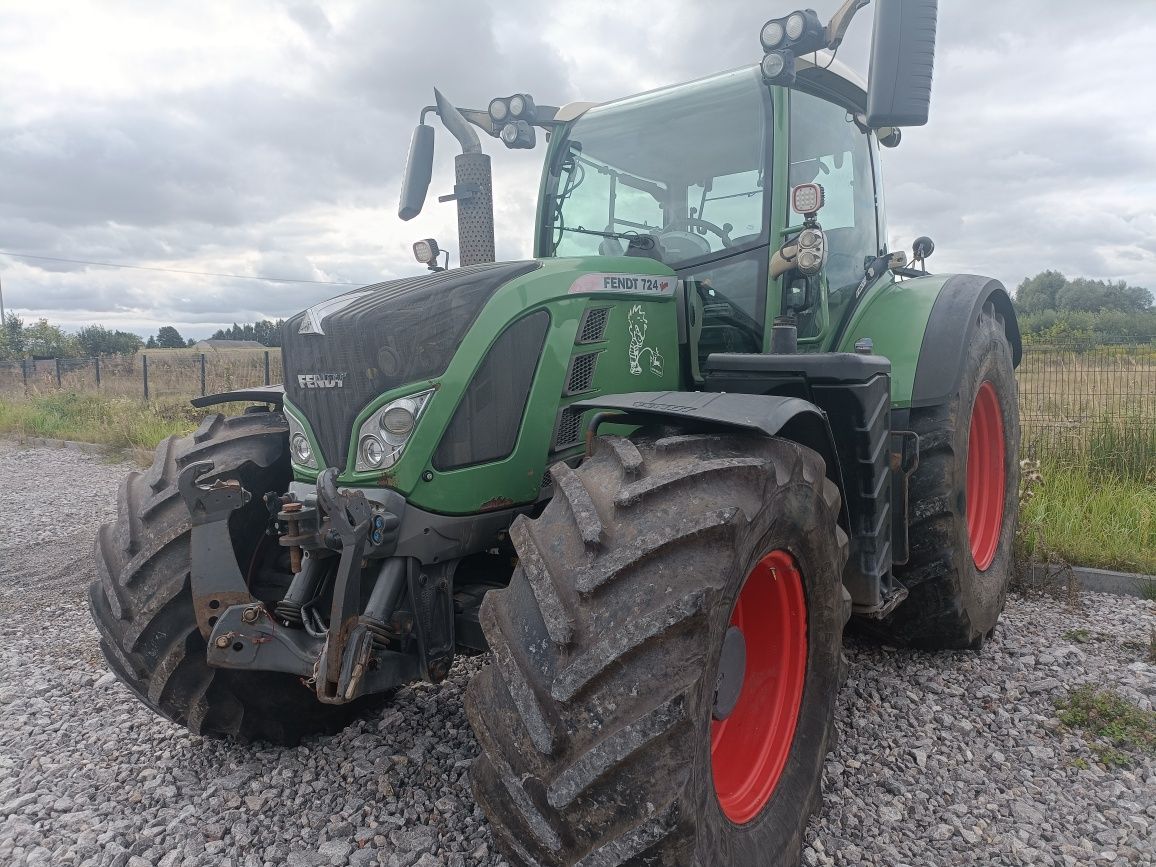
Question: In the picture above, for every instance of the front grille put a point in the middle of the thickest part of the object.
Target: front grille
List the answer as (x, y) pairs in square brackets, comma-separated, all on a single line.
[(568, 430), (593, 327), (581, 376), (342, 354)]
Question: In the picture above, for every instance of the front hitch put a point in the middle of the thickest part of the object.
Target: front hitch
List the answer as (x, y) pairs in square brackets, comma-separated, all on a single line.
[(341, 663)]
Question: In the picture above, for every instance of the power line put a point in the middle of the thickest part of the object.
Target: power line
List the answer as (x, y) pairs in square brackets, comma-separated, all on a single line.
[(176, 270)]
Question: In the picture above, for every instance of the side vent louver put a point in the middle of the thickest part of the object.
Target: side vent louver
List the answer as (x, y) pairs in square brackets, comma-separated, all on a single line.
[(568, 431), (581, 376), (593, 327)]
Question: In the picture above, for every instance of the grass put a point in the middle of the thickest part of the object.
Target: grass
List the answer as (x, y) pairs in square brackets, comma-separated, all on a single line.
[(121, 422), (1118, 731), (1083, 515), (1101, 520)]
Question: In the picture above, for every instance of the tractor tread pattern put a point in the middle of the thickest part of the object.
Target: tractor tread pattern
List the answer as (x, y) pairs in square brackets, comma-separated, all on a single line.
[(565, 743), (141, 599)]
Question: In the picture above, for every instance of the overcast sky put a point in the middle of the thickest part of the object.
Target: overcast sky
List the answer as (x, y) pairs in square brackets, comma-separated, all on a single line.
[(269, 138)]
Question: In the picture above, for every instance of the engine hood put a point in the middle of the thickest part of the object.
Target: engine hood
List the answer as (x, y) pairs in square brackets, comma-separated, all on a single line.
[(341, 354)]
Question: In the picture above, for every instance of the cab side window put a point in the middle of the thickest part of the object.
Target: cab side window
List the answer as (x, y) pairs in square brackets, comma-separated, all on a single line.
[(828, 148)]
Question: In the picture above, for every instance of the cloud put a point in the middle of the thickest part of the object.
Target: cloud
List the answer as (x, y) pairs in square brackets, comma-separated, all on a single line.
[(269, 137)]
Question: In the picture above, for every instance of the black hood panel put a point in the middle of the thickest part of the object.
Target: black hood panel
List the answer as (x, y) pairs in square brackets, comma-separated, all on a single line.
[(377, 338)]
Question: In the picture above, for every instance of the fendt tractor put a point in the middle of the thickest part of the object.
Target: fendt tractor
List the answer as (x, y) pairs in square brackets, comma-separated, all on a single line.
[(653, 471)]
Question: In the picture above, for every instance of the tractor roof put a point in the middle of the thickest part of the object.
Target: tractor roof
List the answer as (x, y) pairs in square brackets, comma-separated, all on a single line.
[(819, 71)]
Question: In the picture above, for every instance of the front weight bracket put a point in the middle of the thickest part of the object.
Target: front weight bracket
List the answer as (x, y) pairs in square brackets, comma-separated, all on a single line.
[(217, 582)]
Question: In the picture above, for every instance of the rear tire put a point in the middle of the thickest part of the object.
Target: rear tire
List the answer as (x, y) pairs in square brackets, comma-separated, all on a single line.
[(962, 528), (142, 599), (594, 719)]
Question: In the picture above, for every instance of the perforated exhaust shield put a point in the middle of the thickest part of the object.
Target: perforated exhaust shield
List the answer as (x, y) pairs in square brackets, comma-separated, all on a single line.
[(386, 335)]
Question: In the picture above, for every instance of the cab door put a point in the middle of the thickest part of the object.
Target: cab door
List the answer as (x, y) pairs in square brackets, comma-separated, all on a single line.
[(828, 147)]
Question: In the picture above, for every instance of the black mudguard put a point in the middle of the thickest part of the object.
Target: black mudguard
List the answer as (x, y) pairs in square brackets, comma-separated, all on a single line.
[(949, 332), (274, 394), (771, 415)]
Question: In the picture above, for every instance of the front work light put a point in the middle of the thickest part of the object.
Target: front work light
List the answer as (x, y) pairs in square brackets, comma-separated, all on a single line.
[(796, 34), (518, 134), (772, 35), (778, 67), (426, 251), (807, 199), (499, 110)]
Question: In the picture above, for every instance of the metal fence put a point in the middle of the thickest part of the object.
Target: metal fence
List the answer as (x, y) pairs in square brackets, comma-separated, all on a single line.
[(147, 375), (1091, 405), (1081, 403)]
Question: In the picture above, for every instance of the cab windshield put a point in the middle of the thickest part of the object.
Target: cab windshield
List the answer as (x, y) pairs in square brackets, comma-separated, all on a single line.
[(685, 165)]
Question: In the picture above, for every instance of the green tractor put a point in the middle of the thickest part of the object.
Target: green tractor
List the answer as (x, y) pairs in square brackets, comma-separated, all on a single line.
[(653, 471)]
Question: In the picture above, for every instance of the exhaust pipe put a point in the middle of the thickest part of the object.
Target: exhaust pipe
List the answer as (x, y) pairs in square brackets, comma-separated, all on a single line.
[(473, 188)]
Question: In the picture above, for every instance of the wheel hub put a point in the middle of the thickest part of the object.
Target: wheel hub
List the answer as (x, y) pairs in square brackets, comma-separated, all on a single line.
[(732, 668)]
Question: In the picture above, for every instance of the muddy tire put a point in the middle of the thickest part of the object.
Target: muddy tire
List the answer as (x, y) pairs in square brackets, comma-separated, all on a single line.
[(964, 503), (595, 719), (142, 601)]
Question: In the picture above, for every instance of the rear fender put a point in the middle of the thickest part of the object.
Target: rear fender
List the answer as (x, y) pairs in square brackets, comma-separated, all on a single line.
[(924, 326)]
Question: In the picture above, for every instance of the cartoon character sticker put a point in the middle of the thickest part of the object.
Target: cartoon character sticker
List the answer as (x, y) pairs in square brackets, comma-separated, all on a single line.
[(636, 326)]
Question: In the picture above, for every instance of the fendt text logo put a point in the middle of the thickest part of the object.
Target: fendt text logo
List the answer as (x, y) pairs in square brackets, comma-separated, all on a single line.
[(321, 380)]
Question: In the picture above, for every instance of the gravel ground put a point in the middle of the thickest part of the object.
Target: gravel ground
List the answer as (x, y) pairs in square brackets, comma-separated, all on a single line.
[(944, 759)]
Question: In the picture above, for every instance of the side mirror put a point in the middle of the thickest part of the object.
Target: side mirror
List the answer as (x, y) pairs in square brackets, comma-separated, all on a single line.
[(902, 59), (418, 171)]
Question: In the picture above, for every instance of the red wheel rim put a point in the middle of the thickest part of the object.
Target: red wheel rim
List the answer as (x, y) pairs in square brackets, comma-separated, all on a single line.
[(749, 748), (986, 476)]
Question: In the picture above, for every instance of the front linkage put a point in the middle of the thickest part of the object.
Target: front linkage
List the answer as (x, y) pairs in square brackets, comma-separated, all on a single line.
[(400, 633)]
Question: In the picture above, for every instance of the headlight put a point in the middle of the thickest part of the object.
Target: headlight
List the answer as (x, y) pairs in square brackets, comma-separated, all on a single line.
[(498, 109), (398, 419), (371, 452), (300, 450), (384, 434), (517, 105)]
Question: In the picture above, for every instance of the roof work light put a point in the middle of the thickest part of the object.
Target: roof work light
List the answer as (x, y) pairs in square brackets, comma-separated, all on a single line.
[(784, 39)]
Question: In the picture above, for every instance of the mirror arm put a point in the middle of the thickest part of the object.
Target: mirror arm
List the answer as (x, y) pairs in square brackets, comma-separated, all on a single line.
[(841, 20)]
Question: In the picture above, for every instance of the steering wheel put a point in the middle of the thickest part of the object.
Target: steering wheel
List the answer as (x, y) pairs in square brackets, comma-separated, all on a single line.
[(724, 231)]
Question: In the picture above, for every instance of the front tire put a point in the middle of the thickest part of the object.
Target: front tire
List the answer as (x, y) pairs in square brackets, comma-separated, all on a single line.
[(142, 599), (595, 718)]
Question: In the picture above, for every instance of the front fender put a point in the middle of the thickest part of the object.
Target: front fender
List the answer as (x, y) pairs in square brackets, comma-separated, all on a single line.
[(771, 415), (923, 326)]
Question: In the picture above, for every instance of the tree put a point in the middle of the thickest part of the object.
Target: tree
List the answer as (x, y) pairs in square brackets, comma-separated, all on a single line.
[(169, 338), (1036, 294), (191, 343), (152, 343), (266, 332), (1096, 295), (98, 340), (43, 340), (12, 337), (1051, 290)]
